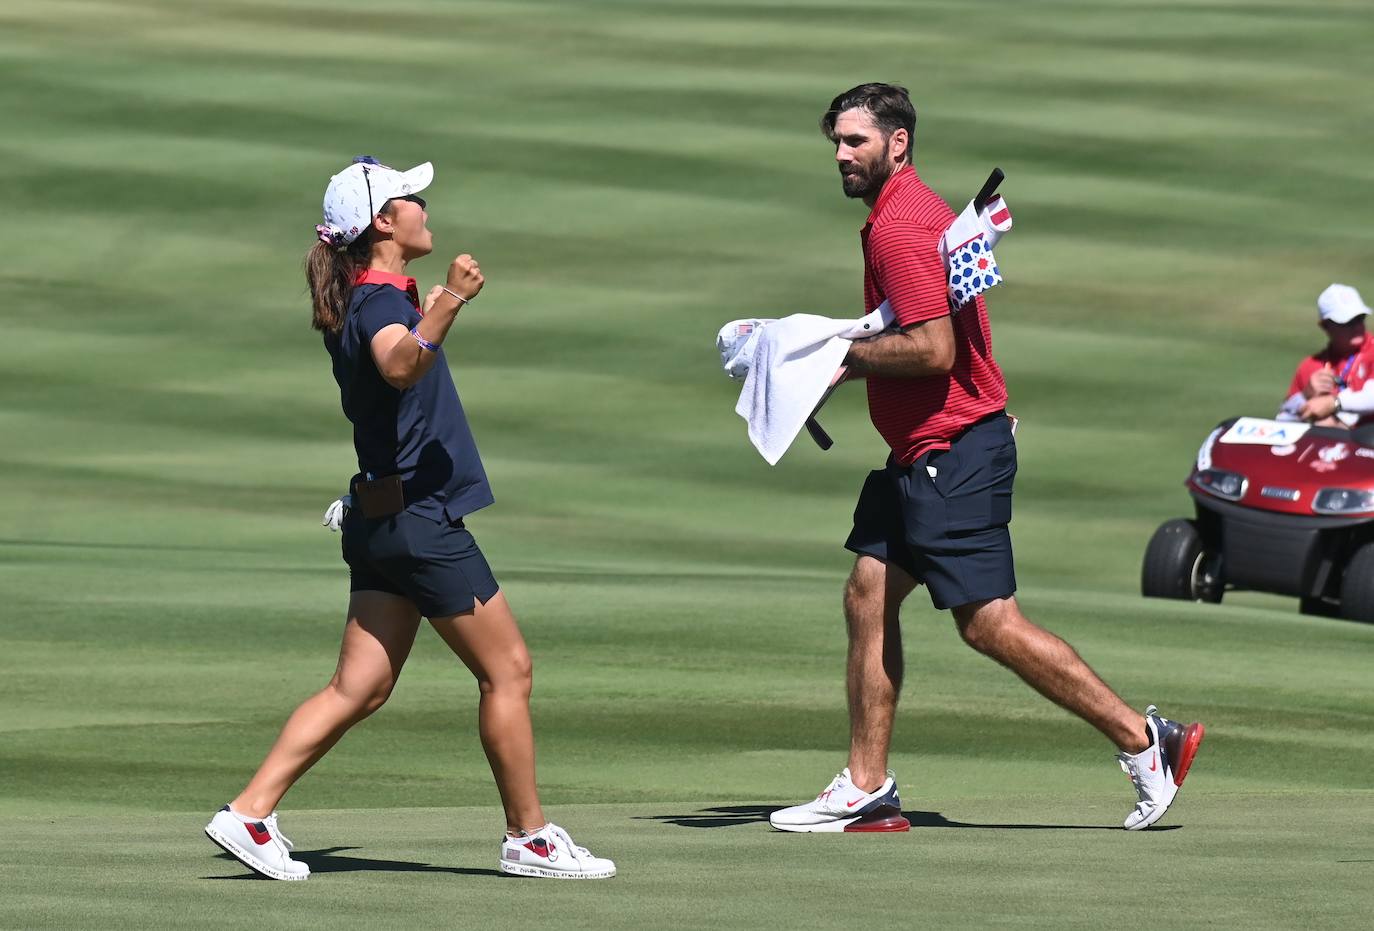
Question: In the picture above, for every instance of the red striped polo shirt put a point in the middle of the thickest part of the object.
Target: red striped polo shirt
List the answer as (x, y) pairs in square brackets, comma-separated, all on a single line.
[(902, 264)]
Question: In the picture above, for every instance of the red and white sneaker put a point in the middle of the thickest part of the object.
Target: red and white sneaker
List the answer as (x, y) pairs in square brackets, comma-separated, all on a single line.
[(1158, 771), (843, 806), (256, 844), (551, 854)]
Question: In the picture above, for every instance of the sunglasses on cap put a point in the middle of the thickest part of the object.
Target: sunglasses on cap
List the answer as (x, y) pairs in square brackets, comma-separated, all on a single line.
[(366, 160)]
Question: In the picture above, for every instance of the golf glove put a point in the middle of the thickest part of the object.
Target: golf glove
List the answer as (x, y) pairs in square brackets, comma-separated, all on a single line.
[(334, 514)]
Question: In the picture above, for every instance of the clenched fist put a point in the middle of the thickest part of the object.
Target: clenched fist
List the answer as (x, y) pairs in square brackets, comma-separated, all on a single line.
[(465, 277), (1321, 382)]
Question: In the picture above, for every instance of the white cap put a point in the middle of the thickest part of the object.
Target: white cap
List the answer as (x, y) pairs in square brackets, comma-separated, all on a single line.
[(356, 194), (1340, 303)]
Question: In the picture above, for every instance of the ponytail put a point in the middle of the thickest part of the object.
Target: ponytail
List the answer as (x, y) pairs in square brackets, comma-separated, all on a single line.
[(330, 270)]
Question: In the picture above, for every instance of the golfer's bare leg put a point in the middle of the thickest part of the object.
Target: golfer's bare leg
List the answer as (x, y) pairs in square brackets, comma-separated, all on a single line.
[(873, 675), (377, 639), (998, 629), (488, 640)]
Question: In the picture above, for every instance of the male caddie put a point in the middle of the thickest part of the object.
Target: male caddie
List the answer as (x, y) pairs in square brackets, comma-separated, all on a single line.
[(1335, 387), (937, 513)]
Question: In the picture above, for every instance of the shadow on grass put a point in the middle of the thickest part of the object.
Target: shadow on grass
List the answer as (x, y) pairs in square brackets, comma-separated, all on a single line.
[(731, 815), (326, 860), (723, 817), (933, 819)]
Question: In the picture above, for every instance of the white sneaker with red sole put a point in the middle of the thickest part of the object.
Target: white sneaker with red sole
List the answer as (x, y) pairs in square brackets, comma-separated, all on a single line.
[(1158, 771), (844, 807)]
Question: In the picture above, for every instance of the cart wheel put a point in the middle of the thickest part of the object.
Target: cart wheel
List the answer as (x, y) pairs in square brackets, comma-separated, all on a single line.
[(1357, 586), (1179, 565)]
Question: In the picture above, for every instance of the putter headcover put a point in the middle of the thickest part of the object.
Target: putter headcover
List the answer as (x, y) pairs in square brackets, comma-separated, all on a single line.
[(966, 248), (736, 342)]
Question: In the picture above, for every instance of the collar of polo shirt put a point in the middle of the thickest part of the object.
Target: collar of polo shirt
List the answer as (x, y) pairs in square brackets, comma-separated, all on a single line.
[(895, 180), (400, 282)]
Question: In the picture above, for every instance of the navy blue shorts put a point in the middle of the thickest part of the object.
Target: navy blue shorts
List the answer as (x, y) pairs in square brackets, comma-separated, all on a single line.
[(437, 565), (947, 530)]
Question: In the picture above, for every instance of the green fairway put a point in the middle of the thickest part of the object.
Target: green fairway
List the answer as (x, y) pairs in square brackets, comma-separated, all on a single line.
[(1002, 860), (1186, 178)]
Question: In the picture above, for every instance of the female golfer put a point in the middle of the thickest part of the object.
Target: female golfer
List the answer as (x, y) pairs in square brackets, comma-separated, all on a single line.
[(407, 550)]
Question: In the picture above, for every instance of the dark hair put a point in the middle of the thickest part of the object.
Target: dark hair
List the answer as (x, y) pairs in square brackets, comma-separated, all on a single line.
[(889, 105), (329, 271)]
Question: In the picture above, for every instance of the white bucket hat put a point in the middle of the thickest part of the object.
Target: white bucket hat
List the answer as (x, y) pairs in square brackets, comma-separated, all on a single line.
[(356, 194), (1340, 303)]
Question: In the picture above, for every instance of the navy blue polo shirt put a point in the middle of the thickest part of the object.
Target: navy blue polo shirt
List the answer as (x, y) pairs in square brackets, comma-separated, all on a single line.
[(419, 433)]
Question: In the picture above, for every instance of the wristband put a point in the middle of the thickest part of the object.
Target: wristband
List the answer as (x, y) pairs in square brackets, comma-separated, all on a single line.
[(461, 300), (424, 343)]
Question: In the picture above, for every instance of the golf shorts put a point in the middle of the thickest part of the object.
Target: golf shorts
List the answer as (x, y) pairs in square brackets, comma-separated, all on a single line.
[(943, 519), (437, 565)]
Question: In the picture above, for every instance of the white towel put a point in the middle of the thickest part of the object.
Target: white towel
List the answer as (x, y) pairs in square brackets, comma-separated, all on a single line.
[(790, 363), (966, 248)]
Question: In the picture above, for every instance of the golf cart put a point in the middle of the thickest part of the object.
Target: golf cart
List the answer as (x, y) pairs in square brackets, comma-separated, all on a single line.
[(1282, 507)]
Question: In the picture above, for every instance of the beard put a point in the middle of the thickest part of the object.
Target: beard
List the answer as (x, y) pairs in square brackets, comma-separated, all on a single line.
[(860, 180)]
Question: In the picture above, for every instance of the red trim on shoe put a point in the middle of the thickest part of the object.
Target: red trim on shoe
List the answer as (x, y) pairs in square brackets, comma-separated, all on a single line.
[(540, 847), (258, 831), (890, 824), (1192, 739)]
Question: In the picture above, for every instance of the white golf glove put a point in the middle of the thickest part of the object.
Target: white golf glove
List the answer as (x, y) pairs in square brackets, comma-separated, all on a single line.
[(334, 514)]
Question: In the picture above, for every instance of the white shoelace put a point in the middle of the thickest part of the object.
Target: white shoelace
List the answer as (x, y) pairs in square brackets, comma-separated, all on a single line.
[(834, 784), (582, 852), (271, 822), (1131, 767)]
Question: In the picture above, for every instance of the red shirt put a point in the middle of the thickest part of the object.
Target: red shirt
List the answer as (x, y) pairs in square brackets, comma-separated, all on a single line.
[(903, 265), (1354, 370)]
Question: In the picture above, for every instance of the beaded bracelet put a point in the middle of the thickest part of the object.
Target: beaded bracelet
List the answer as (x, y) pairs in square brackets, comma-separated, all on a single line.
[(424, 343)]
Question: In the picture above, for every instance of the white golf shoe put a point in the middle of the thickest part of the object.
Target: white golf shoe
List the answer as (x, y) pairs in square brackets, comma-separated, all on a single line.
[(1158, 771), (844, 807), (258, 845), (551, 854)]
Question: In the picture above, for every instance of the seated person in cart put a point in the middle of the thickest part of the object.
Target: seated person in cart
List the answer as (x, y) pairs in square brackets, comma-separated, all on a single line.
[(1335, 387)]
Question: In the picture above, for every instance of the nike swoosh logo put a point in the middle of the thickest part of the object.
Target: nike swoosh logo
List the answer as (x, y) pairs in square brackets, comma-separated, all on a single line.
[(548, 851), (853, 803)]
